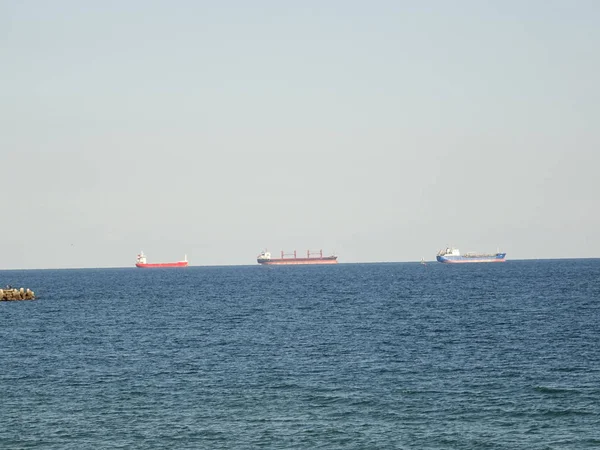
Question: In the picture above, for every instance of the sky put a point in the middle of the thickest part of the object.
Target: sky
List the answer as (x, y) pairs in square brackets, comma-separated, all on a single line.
[(382, 131)]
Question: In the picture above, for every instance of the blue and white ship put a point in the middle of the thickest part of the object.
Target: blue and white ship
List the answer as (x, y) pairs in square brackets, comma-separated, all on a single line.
[(453, 256)]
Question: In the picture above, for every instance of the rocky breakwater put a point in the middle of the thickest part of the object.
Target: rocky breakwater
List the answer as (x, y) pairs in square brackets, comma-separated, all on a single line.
[(11, 294)]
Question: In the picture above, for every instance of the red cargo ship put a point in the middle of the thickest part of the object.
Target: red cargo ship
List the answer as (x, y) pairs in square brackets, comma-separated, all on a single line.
[(292, 259), (142, 264)]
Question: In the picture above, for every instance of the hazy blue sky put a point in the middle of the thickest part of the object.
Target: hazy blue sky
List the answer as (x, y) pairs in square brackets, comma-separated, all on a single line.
[(381, 130)]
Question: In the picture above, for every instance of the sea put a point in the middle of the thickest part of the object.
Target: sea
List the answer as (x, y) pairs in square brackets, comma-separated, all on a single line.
[(347, 356)]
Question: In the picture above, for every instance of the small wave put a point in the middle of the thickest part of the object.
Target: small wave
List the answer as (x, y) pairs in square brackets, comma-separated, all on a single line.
[(566, 412), (285, 386), (554, 390)]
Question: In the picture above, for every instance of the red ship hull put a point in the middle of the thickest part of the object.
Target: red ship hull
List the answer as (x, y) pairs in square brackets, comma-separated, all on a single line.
[(162, 265)]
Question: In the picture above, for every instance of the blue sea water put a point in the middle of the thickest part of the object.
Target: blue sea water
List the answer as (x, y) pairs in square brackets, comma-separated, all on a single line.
[(352, 356)]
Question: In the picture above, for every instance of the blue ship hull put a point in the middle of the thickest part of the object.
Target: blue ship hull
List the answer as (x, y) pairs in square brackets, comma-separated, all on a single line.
[(498, 257)]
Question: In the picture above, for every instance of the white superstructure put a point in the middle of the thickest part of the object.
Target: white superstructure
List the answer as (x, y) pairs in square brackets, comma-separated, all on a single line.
[(141, 258), (449, 251), (264, 256)]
